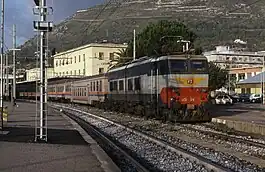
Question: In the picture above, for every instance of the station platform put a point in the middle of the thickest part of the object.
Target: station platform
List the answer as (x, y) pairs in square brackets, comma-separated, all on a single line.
[(249, 118), (68, 147)]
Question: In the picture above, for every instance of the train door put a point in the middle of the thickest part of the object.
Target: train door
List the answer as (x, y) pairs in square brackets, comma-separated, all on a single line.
[(154, 87)]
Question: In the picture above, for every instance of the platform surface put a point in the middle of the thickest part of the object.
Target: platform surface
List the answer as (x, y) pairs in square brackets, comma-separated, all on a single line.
[(254, 113), (65, 151), (244, 117)]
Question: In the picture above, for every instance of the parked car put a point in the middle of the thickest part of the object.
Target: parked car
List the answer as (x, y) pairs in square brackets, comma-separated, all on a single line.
[(223, 100), (255, 98), (235, 98), (244, 98)]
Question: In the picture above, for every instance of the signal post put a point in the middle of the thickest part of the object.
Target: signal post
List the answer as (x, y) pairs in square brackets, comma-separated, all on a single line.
[(42, 26)]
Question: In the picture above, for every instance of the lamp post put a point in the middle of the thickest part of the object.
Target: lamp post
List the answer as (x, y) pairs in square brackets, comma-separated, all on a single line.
[(13, 98)]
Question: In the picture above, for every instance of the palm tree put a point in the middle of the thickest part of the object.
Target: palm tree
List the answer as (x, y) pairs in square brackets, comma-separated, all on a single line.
[(120, 59)]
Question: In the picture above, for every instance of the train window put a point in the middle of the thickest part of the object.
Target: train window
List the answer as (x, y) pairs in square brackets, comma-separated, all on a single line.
[(137, 83), (94, 86), (97, 86), (163, 67), (130, 84), (121, 85), (100, 85), (91, 86), (115, 85), (111, 86)]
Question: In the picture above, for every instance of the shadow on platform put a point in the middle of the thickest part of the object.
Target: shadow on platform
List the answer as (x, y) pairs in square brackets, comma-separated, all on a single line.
[(227, 110), (55, 136)]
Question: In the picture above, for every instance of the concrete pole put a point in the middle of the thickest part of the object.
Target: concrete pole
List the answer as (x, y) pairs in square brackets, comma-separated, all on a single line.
[(262, 75), (14, 64), (6, 78), (2, 63)]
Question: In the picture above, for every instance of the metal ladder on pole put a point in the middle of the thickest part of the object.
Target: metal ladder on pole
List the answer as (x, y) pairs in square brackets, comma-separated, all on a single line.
[(41, 119)]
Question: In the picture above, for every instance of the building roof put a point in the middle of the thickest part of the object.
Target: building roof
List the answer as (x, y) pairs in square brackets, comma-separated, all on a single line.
[(107, 45), (252, 80)]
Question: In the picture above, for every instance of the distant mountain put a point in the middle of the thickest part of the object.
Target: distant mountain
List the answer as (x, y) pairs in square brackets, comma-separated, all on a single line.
[(214, 21)]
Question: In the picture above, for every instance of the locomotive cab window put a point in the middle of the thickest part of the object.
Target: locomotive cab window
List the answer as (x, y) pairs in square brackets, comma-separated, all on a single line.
[(178, 66), (198, 65)]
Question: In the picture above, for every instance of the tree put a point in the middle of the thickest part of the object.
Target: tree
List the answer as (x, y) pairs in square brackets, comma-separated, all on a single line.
[(149, 42), (217, 77)]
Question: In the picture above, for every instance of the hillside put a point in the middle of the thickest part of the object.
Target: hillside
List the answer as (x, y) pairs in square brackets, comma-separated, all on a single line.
[(209, 19)]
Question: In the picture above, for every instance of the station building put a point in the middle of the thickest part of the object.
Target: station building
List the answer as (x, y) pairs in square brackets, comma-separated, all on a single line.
[(251, 85), (87, 60), (34, 74), (244, 73)]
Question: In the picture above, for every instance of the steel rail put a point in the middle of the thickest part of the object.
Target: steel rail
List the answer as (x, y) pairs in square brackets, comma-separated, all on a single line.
[(186, 154)]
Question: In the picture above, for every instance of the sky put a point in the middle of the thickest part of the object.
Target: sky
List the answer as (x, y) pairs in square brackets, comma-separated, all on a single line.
[(20, 12)]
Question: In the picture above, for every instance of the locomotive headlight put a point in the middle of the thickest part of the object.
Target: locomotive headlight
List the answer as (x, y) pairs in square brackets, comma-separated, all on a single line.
[(172, 99), (204, 90)]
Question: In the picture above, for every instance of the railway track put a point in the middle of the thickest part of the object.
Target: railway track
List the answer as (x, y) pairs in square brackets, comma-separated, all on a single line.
[(157, 153), (100, 137), (208, 131)]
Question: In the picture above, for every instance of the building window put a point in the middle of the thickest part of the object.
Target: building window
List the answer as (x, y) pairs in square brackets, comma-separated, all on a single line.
[(71, 60), (79, 72), (84, 57), (71, 72), (101, 55), (111, 56), (84, 71), (75, 59), (63, 62), (56, 62), (75, 72), (66, 72), (63, 73), (60, 63), (79, 58), (101, 70)]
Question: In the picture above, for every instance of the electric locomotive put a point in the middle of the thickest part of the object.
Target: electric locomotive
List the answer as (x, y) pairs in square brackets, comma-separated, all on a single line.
[(173, 87)]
